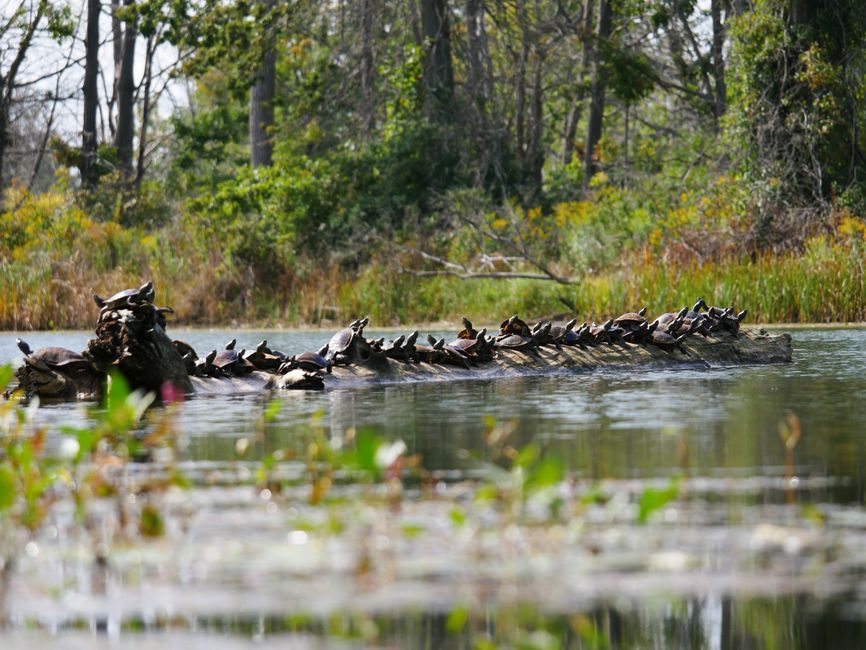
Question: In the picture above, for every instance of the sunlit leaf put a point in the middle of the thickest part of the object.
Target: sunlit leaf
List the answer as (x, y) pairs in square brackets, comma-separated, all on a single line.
[(7, 486), (457, 516), (6, 372), (457, 619), (653, 499)]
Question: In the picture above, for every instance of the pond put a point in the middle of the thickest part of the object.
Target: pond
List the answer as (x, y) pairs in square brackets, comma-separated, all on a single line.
[(752, 542)]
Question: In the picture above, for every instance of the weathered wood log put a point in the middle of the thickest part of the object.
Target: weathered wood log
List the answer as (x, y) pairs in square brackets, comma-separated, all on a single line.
[(749, 347), (132, 341)]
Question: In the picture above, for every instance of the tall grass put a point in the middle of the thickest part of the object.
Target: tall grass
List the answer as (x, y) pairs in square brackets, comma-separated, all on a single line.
[(823, 284), (53, 257)]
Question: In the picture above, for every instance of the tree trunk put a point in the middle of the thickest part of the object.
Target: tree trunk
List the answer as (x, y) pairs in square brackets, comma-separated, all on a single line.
[(91, 95), (368, 67), (534, 154), (438, 72), (125, 133), (145, 109), (718, 59), (262, 104), (573, 116), (599, 86), (7, 89), (479, 80)]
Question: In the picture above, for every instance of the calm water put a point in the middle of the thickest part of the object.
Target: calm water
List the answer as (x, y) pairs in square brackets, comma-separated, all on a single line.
[(747, 559)]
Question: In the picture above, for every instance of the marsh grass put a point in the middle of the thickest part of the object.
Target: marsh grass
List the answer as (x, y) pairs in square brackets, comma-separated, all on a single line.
[(53, 257)]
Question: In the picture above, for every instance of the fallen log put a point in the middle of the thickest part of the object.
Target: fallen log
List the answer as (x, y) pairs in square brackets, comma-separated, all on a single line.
[(749, 347)]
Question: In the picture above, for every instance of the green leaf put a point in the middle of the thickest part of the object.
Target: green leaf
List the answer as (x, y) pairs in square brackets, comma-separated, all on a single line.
[(366, 444), (527, 456), (7, 486), (653, 499), (458, 517), (549, 471), (272, 409), (457, 619), (5, 374)]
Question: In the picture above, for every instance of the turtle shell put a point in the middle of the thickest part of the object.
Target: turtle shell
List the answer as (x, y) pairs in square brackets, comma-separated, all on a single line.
[(631, 319), (310, 361), (514, 342), (58, 358), (341, 341)]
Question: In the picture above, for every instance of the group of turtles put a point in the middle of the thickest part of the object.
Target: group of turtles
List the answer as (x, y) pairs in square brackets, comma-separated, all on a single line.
[(667, 332), (231, 362), (349, 346)]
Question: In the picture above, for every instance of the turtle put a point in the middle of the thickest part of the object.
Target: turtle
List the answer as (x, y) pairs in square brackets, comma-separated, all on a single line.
[(447, 354), (189, 360), (185, 348), (54, 358), (341, 342), (468, 332), (695, 311), (204, 367), (518, 341), (126, 298), (471, 346), (160, 316), (310, 361), (690, 326), (564, 334), (541, 333), (263, 358), (428, 353), (231, 361), (631, 320), (665, 341), (638, 334), (395, 350), (514, 325), (607, 333)]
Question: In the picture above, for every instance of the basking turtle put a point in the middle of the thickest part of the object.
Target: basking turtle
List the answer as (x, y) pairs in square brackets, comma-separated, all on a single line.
[(48, 359), (564, 334), (341, 342), (514, 325), (637, 334), (468, 332), (447, 354), (160, 316), (189, 361), (607, 333), (665, 341), (204, 367), (695, 311), (231, 361), (395, 350), (519, 342), (126, 298), (263, 358), (471, 346), (185, 348), (310, 361), (631, 320)]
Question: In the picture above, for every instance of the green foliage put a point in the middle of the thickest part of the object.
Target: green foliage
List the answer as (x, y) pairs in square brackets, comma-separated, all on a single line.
[(791, 88), (654, 499)]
